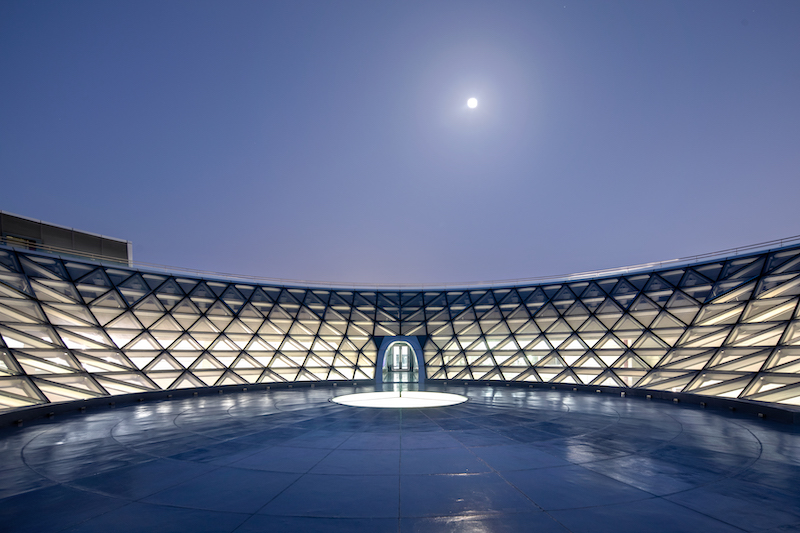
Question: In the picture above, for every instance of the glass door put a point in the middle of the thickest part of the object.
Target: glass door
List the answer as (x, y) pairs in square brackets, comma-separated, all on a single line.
[(400, 358)]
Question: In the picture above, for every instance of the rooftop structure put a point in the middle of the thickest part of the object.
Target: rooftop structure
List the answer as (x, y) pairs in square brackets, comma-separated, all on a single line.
[(31, 234), (75, 329)]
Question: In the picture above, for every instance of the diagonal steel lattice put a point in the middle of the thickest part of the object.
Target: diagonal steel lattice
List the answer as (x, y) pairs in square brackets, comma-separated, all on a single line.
[(74, 329)]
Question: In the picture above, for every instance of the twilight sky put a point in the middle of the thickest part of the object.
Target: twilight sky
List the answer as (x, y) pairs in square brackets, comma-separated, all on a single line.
[(332, 141)]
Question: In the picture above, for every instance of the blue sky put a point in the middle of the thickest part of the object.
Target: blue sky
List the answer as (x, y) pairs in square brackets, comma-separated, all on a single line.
[(332, 141)]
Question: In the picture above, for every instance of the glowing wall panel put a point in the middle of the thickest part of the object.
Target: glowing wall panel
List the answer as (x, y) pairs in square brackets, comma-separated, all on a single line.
[(72, 329)]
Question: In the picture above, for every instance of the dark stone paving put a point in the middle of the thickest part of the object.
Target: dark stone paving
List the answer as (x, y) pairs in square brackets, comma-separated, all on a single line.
[(509, 460)]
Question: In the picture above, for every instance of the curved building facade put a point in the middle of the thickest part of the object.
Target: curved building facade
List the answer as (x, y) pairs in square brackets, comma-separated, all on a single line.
[(74, 329)]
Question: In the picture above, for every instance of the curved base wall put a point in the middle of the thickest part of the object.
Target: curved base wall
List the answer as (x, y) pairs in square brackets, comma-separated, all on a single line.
[(73, 329)]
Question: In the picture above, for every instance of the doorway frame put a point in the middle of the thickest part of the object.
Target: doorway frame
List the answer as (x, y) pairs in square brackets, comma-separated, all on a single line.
[(415, 347)]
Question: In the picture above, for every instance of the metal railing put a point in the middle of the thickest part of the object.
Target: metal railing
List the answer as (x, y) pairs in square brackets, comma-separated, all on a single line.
[(211, 275)]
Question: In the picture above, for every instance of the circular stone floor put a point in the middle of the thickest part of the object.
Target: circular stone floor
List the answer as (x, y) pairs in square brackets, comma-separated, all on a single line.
[(509, 460)]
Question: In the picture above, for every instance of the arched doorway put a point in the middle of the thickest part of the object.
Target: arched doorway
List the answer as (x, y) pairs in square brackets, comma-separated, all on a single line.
[(400, 361)]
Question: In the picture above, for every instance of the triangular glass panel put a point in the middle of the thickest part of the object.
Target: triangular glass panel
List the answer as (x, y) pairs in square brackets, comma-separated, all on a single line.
[(536, 298), (739, 359), (657, 284), (186, 285), (551, 290), (467, 316), (17, 282), (167, 323), (576, 314), (578, 288), (742, 268), (773, 310), (171, 290), (8, 261), (723, 384), (785, 359), (709, 270), (592, 325), (104, 315), (593, 291), (58, 389), (564, 294), (666, 320), (204, 325), (261, 301), (8, 366), (693, 279), (117, 276), (233, 299), (673, 277), (624, 293), (186, 342), (638, 281), (630, 361), (507, 297), (110, 300), (166, 338), (492, 314), (34, 362), (719, 314), (609, 342), (249, 312), (135, 283), (648, 341), (18, 310), (666, 380), (777, 286), (766, 334), (220, 310), (126, 320), (43, 267), (145, 341), (96, 278), (726, 291), (55, 291), (786, 260), (551, 361), (163, 362), (699, 293), (217, 287), (686, 359), (125, 383), (187, 381), (153, 280), (609, 308), (458, 299), (226, 345), (704, 337), (528, 327), (546, 316), (388, 299), (237, 326), (186, 307), (202, 290), (151, 304), (560, 326), (435, 300), (607, 285), (573, 343), (206, 362), (683, 307), (644, 310), (609, 378)]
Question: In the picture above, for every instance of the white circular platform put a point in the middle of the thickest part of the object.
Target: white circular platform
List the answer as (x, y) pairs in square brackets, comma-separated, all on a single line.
[(400, 399)]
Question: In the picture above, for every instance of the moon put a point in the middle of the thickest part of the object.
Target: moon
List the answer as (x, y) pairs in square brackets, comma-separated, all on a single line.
[(472, 103)]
